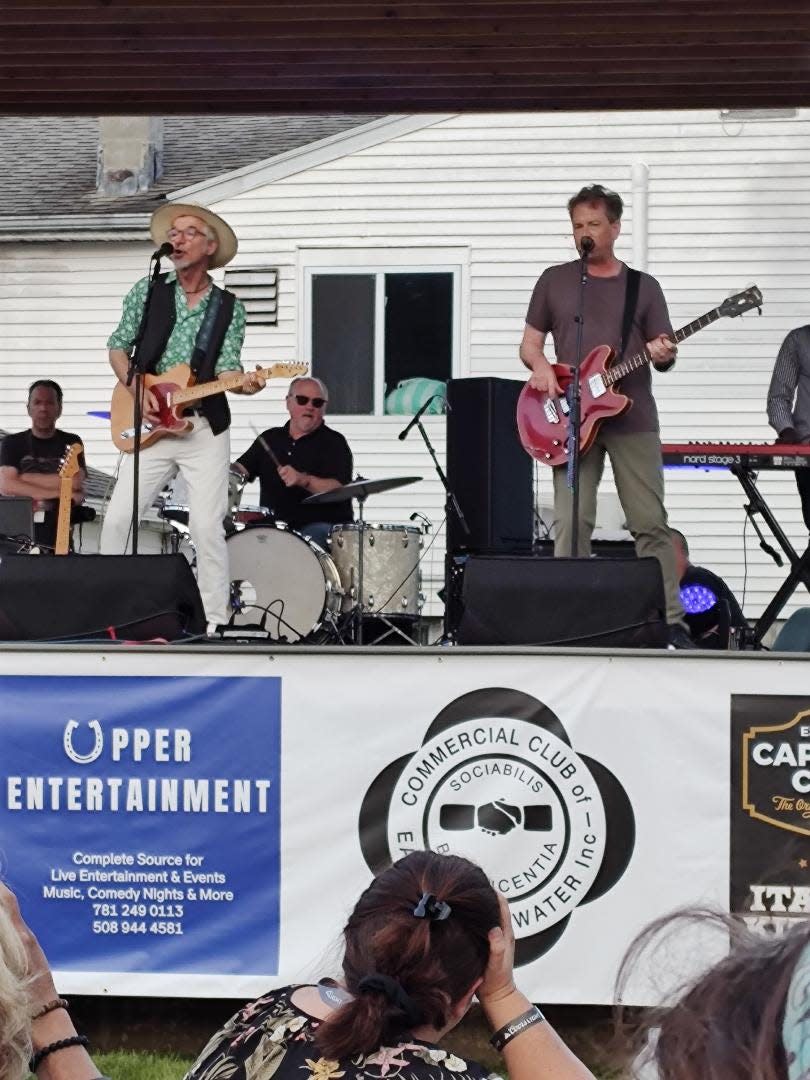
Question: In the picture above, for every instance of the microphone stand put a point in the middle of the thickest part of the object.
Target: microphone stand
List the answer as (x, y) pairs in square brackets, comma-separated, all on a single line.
[(135, 369), (451, 506), (574, 406)]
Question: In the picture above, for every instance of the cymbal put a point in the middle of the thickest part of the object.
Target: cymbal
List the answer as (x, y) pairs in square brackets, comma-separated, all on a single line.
[(361, 489)]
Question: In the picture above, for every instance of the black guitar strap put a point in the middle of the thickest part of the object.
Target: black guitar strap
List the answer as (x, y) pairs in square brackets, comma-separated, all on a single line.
[(630, 302)]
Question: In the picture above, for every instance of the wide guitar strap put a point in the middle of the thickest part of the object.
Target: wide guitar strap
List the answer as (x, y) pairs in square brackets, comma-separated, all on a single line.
[(630, 303)]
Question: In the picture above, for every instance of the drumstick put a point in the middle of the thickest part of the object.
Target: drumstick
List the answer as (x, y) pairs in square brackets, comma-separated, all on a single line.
[(266, 447)]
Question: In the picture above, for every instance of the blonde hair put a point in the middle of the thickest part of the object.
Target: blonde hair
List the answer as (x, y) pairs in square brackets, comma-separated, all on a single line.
[(15, 1020)]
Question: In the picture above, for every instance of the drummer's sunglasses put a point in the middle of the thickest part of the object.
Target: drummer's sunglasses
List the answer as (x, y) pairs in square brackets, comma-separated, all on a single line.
[(302, 399)]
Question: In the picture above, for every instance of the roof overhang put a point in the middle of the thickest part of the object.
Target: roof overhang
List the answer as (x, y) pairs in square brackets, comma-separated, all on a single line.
[(405, 56)]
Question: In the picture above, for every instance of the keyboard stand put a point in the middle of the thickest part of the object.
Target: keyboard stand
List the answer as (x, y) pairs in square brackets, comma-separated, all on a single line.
[(799, 564)]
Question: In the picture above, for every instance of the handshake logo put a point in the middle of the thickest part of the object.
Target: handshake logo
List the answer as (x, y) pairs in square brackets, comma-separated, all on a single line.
[(496, 818), (496, 779)]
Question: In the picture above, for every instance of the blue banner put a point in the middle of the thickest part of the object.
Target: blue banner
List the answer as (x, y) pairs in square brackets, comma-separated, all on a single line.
[(140, 820)]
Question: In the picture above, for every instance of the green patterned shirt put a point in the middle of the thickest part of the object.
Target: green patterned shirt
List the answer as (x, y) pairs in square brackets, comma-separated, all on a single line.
[(187, 324)]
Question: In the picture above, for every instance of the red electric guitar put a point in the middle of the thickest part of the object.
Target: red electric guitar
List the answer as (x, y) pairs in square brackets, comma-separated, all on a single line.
[(543, 420), (176, 391)]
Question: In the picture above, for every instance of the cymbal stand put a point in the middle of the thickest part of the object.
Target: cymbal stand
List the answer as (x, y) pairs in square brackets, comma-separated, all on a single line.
[(358, 635)]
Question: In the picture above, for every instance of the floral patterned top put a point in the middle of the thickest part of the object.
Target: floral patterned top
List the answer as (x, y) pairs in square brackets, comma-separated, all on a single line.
[(272, 1038)]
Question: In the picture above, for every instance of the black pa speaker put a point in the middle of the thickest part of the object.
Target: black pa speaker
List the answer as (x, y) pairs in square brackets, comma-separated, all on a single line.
[(488, 470), (568, 602), (135, 597)]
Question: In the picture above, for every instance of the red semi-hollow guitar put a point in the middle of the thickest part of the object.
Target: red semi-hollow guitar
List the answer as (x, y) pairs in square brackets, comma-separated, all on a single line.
[(543, 420)]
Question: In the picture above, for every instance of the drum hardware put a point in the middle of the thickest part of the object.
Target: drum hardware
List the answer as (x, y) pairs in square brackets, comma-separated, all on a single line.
[(360, 489), (176, 517)]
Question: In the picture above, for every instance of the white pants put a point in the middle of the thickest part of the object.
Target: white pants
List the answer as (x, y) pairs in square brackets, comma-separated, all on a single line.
[(202, 459)]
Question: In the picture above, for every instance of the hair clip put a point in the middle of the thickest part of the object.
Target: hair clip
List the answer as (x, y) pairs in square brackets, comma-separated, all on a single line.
[(430, 907)]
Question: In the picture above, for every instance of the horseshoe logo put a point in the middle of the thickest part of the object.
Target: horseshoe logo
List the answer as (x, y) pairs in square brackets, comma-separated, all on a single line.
[(98, 744)]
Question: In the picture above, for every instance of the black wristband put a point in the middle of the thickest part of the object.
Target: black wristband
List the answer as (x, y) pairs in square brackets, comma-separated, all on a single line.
[(51, 1048), (515, 1027)]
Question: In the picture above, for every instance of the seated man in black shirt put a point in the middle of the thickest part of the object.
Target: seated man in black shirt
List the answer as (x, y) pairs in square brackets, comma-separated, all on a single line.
[(303, 458), (30, 460), (710, 607)]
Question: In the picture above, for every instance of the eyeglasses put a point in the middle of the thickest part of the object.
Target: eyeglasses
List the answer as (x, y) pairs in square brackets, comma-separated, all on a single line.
[(190, 234), (302, 399)]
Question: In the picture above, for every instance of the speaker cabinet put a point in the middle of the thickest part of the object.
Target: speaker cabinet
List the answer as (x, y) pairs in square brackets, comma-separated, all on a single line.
[(488, 470), (567, 602), (136, 597)]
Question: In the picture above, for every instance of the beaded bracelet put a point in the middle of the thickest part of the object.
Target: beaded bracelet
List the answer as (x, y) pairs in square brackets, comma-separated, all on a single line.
[(51, 1048), (515, 1027), (56, 1003)]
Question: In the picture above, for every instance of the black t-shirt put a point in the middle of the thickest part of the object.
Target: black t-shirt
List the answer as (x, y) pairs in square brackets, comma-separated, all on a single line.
[(27, 453), (323, 453)]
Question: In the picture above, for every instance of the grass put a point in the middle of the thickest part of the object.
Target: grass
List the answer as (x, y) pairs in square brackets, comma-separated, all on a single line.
[(130, 1065)]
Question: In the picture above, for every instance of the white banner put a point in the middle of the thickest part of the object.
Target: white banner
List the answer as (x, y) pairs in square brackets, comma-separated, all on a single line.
[(594, 790)]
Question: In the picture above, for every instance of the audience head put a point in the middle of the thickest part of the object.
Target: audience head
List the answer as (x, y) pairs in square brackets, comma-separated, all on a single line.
[(15, 1022), (741, 1018), (416, 946)]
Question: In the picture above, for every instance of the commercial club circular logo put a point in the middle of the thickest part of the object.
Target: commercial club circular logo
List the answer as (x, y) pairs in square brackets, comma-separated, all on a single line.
[(497, 780)]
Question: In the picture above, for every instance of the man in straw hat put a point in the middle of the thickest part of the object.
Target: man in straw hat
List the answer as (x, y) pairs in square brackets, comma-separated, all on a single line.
[(190, 321)]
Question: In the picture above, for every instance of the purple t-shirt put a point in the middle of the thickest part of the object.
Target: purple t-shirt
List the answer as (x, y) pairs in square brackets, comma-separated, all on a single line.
[(553, 308)]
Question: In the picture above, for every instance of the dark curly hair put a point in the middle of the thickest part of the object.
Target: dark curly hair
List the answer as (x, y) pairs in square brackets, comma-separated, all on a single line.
[(727, 1023), (596, 193)]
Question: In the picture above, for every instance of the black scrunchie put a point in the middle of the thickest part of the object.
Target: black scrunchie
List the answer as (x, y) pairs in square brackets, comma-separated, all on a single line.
[(393, 991)]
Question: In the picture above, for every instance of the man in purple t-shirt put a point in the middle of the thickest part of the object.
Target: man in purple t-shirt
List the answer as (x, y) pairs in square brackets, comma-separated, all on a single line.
[(630, 440)]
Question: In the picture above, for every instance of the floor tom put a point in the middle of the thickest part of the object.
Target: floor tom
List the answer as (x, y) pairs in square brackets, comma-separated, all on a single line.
[(390, 567)]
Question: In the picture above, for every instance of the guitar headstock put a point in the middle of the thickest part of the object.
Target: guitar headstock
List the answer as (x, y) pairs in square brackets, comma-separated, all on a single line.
[(290, 369), (742, 302), (69, 462)]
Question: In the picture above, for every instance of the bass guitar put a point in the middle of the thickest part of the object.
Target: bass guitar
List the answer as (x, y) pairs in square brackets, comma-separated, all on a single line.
[(542, 419), (68, 467), (176, 391)]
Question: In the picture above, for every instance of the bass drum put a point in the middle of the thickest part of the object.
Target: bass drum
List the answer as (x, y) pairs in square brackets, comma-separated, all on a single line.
[(282, 582)]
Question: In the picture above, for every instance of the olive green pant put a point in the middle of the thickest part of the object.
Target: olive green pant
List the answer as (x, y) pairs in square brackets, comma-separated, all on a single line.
[(639, 477)]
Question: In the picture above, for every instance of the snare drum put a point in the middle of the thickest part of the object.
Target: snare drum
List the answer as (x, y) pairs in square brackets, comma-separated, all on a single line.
[(252, 515), (390, 567), (282, 581)]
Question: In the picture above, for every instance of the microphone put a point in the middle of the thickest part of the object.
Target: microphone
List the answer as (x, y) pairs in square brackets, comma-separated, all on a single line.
[(164, 249), (417, 417), (586, 246)]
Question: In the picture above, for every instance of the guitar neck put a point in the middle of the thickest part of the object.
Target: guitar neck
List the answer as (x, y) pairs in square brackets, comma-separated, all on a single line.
[(62, 541), (640, 359), (216, 386)]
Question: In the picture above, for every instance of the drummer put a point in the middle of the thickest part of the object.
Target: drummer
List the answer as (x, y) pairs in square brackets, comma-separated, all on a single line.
[(304, 457)]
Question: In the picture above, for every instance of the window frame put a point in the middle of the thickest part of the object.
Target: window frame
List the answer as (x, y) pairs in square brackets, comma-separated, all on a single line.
[(378, 262)]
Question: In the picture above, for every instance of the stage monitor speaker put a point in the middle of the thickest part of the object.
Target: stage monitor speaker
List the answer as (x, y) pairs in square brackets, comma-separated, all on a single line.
[(566, 602), (487, 469), (16, 523), (137, 597)]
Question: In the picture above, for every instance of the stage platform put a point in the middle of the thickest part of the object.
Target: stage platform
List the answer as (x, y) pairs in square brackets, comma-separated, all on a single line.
[(197, 820)]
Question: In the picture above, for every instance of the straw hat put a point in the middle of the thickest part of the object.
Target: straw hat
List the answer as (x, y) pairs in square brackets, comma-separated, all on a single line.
[(226, 240)]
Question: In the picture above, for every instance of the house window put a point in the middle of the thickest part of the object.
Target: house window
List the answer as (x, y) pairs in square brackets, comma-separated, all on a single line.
[(371, 328), (257, 288)]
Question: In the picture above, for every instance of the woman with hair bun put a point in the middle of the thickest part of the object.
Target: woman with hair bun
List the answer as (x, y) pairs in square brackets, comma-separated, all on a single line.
[(426, 936)]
